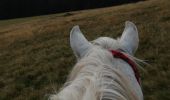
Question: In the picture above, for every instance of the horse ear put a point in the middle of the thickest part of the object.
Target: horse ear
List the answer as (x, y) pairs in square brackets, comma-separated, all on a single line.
[(78, 42), (129, 40)]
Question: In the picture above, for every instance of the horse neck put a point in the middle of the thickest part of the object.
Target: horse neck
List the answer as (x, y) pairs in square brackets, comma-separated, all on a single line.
[(98, 77)]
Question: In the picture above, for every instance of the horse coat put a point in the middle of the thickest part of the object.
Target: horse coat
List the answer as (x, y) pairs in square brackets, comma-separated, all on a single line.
[(98, 74)]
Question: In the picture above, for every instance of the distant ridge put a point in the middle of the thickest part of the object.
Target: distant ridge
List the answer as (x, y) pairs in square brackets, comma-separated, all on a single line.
[(25, 8)]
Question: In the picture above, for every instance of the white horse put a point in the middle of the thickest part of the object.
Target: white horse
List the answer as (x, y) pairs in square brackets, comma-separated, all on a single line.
[(98, 75)]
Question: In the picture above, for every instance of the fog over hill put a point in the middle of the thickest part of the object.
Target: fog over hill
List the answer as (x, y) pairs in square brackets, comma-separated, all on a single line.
[(25, 8)]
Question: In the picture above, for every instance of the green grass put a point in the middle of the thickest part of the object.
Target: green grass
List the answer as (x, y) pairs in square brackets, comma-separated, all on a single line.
[(35, 55)]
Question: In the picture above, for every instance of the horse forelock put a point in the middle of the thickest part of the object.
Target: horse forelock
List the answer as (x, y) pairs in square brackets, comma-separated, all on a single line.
[(107, 43)]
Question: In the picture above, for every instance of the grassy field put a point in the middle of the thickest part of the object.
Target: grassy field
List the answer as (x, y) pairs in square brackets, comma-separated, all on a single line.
[(35, 55)]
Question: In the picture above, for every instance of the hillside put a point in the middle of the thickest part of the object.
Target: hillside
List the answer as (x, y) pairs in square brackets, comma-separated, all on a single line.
[(35, 55)]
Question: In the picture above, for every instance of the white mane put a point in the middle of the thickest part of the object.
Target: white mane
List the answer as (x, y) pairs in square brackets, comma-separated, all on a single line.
[(97, 74)]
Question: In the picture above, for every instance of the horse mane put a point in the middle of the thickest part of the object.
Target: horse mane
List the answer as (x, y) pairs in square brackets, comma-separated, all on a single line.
[(99, 76)]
